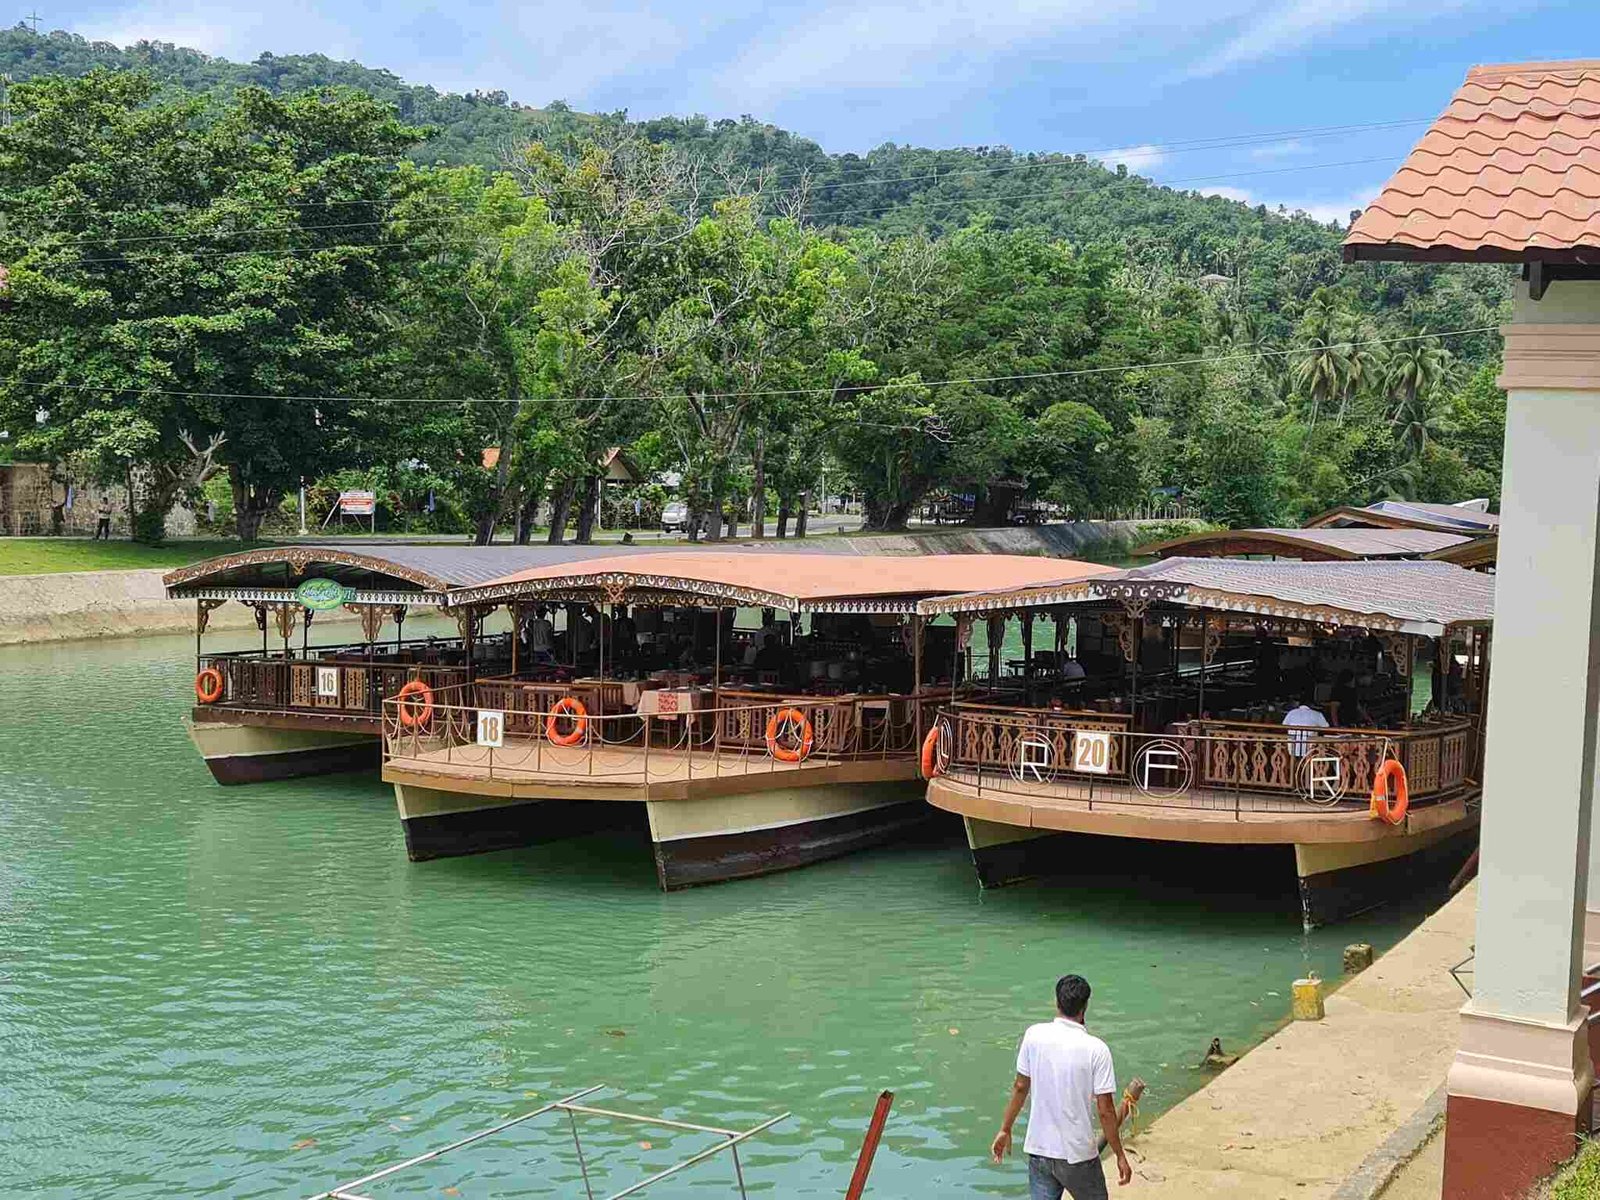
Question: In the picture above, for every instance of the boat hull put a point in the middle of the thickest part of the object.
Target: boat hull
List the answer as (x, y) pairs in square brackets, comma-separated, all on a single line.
[(700, 834), (237, 753), (1335, 869)]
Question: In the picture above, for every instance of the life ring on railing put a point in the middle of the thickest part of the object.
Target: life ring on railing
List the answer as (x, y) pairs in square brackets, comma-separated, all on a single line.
[(930, 754), (1382, 809), (567, 706), (415, 714), (791, 718), (208, 686)]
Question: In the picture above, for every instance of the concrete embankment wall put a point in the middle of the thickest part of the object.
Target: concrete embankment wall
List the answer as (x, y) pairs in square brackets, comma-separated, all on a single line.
[(97, 604), (1073, 539)]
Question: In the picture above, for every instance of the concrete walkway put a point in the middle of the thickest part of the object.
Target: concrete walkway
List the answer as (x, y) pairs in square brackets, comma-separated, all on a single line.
[(1300, 1114)]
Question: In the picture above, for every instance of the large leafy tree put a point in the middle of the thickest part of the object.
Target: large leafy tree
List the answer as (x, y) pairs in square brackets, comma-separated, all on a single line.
[(192, 281), (465, 333)]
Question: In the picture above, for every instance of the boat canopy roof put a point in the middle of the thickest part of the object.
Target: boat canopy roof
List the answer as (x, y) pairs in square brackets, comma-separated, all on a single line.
[(1419, 597), (799, 582), (1313, 545), (385, 574), (1410, 514), (1477, 553)]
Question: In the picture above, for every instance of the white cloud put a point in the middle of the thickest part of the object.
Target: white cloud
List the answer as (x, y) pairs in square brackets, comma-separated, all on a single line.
[(1335, 210), (290, 28), (1288, 148), (127, 28), (1290, 25), (885, 44), (1140, 160)]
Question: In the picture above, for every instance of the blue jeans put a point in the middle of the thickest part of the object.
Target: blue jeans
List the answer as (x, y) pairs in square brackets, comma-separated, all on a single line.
[(1049, 1177)]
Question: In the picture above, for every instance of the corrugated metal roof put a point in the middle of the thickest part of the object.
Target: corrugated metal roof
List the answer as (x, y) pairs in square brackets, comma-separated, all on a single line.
[(1475, 520), (1509, 172), (1313, 544), (1410, 596), (1428, 592), (430, 568), (797, 581)]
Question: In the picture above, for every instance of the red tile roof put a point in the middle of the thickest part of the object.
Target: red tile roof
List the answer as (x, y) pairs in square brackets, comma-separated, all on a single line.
[(1509, 172)]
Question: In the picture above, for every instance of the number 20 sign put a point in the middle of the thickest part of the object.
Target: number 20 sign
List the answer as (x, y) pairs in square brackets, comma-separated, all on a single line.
[(1091, 751), (491, 728)]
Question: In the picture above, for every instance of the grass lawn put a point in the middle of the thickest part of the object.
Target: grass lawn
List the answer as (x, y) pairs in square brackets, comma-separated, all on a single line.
[(44, 556), (1581, 1178)]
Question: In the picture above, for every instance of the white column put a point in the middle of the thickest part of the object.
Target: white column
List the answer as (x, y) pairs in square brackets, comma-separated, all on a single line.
[(1591, 922), (1523, 1041)]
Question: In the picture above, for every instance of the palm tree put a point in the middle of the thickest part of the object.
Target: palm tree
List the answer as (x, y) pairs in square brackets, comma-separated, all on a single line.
[(1368, 361), (1322, 361), (1416, 371)]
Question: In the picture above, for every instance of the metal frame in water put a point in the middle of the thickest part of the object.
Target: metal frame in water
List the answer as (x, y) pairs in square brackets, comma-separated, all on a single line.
[(569, 1105)]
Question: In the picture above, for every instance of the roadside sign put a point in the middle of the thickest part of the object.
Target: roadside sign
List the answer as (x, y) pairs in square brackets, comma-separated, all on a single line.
[(1091, 751), (358, 504), (327, 683), (491, 728)]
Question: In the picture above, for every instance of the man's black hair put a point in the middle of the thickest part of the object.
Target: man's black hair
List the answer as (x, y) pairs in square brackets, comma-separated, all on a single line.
[(1072, 996)]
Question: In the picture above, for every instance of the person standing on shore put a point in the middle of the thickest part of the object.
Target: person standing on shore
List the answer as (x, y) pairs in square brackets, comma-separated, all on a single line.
[(1068, 1074), (102, 528)]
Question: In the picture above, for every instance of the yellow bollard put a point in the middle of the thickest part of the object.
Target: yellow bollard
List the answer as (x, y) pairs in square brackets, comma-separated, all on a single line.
[(1308, 999), (1357, 957)]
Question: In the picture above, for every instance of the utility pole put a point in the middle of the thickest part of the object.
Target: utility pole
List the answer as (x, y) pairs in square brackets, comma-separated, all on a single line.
[(5, 100), (33, 19)]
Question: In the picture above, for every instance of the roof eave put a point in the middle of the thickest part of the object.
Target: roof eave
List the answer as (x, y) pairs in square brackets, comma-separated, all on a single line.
[(1404, 252)]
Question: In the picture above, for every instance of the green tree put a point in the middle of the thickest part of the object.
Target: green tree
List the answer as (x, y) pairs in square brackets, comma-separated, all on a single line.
[(1417, 370), (192, 279)]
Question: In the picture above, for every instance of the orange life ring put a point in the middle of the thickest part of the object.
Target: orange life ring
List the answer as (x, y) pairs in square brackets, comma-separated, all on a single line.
[(1381, 808), (807, 735), (567, 706), (414, 716), (930, 753), (208, 686)]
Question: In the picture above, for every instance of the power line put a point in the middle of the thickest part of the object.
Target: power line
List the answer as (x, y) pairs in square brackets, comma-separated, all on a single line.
[(1057, 159), (916, 205), (1202, 360)]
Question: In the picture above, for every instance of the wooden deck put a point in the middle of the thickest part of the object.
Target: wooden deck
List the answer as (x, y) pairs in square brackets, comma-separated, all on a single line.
[(534, 767), (1198, 814)]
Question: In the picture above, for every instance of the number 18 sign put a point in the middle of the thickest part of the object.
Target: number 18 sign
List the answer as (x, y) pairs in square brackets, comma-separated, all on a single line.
[(491, 728), (1091, 751)]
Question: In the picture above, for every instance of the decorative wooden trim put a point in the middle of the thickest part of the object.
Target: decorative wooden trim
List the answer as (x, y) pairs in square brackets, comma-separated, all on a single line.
[(285, 615), (1564, 357), (202, 613), (642, 588), (298, 558), (286, 596)]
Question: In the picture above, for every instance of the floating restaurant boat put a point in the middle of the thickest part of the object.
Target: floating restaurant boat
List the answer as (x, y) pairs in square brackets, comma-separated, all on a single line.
[(1183, 713), (287, 710), (744, 748)]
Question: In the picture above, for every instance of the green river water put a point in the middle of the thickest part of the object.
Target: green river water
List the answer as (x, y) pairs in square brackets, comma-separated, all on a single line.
[(250, 992)]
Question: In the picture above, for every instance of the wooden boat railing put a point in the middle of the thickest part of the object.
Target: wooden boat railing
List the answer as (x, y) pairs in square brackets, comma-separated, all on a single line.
[(1227, 765), (724, 736)]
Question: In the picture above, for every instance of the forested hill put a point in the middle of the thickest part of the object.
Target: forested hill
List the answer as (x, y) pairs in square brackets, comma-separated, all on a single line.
[(1274, 260)]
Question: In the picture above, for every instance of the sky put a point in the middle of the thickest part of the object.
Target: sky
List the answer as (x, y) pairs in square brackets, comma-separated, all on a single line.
[(1305, 103)]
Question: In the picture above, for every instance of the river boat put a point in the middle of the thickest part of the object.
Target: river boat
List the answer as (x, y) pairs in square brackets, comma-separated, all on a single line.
[(681, 702), (1159, 721), (288, 709)]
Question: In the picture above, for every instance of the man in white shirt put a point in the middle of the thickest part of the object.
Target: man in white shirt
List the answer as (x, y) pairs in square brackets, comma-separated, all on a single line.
[(1068, 1074), (1302, 717)]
